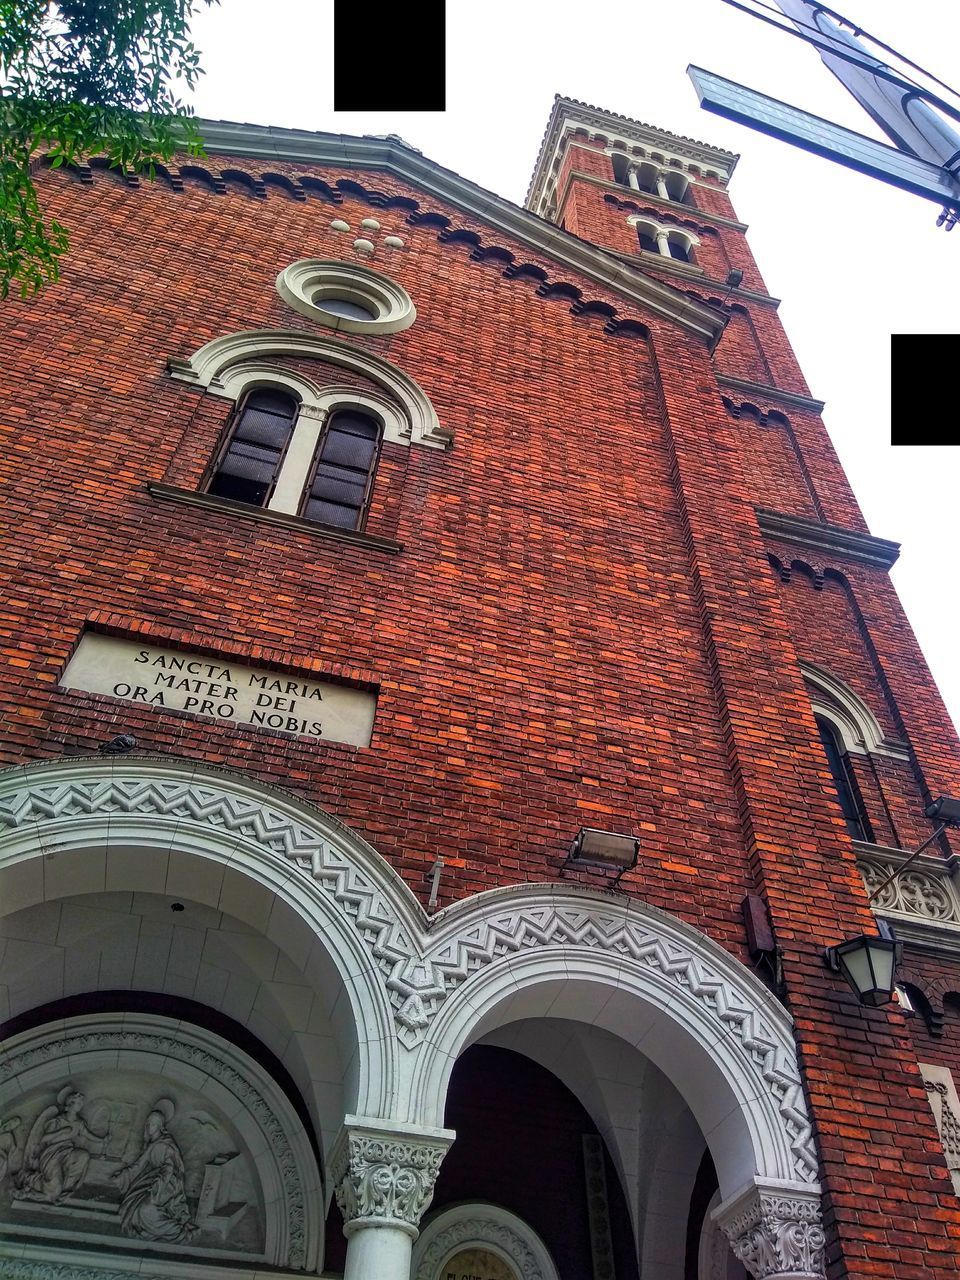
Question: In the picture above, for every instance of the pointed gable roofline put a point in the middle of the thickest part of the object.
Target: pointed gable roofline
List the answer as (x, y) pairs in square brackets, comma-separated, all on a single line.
[(392, 155)]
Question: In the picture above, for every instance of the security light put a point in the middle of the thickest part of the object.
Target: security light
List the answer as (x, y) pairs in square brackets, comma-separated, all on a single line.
[(946, 810), (594, 848)]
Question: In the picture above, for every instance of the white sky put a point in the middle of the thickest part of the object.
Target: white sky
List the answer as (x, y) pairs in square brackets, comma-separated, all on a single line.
[(853, 260)]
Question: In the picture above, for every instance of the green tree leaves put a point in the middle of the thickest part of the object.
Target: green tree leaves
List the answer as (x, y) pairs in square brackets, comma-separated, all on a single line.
[(79, 78)]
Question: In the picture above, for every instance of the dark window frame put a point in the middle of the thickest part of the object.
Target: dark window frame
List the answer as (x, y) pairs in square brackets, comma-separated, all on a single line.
[(845, 784), (363, 510), (234, 422)]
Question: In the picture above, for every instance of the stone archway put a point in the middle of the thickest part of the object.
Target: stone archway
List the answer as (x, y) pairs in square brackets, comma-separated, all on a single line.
[(298, 877), (418, 991), (549, 952), (499, 1238)]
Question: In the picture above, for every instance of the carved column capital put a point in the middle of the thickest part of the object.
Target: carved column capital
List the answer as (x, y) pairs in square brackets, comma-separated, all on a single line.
[(383, 1173), (775, 1230)]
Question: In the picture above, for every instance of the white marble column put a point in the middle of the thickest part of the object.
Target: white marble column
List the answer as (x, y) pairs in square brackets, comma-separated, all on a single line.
[(662, 187), (632, 179), (383, 1175), (663, 244), (775, 1229)]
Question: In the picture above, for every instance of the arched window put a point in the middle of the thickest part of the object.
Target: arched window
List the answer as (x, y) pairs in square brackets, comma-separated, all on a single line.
[(647, 235), (247, 466), (338, 489), (847, 793), (647, 178), (621, 166), (679, 248)]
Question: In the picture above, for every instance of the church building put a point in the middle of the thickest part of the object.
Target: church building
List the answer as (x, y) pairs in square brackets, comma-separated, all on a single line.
[(462, 752)]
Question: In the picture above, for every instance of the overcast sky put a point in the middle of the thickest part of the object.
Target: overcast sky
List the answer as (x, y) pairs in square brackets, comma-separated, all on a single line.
[(852, 259)]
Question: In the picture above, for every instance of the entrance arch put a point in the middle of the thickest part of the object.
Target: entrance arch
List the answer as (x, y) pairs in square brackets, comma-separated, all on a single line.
[(646, 977), (410, 993), (486, 1231), (219, 840), (539, 954)]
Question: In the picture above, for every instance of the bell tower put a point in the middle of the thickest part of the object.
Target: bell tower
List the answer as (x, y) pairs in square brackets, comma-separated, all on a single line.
[(627, 186)]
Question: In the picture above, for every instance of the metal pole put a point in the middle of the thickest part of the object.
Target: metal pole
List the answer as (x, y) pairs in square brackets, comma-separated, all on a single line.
[(903, 866)]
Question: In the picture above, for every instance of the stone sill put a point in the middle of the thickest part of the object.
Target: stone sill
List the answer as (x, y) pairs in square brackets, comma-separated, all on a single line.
[(226, 506)]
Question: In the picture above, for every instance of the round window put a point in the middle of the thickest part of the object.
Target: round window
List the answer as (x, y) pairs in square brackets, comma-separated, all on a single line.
[(346, 296), (345, 308)]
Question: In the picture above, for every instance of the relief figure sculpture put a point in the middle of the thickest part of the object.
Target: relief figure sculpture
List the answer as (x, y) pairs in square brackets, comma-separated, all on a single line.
[(58, 1151), (8, 1146), (154, 1205)]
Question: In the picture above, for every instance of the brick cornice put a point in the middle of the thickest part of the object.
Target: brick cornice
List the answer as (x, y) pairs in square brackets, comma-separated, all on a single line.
[(848, 544), (690, 271), (266, 142)]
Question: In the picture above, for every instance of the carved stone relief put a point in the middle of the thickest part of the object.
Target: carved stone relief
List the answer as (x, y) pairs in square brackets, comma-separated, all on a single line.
[(385, 1176), (776, 1234), (942, 1093), (925, 895), (476, 1264), (127, 1156), (134, 1131)]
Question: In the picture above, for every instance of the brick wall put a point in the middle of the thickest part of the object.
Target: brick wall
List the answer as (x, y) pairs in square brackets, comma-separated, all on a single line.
[(581, 629)]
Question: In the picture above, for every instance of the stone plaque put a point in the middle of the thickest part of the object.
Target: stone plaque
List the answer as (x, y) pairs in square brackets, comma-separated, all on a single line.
[(220, 689), (476, 1264)]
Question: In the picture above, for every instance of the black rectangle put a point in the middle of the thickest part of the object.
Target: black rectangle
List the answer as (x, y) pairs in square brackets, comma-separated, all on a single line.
[(923, 394), (388, 58)]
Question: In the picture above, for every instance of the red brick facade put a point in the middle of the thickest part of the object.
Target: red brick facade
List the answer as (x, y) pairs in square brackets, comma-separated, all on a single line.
[(584, 623)]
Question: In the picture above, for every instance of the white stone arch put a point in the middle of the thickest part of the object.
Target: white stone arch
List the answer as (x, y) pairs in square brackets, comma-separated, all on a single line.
[(320, 398), (858, 727), (483, 1226), (209, 365), (657, 983), (73, 827)]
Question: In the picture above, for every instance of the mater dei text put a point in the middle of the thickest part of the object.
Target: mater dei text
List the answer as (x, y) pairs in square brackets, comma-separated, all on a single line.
[(208, 689), (221, 689)]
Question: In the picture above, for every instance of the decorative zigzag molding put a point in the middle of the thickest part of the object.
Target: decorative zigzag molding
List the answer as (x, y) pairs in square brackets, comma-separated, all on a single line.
[(418, 973)]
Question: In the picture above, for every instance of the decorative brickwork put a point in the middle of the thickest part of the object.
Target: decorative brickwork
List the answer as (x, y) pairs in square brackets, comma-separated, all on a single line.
[(577, 625)]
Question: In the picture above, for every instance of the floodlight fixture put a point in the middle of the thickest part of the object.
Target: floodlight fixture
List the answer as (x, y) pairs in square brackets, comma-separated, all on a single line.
[(604, 849)]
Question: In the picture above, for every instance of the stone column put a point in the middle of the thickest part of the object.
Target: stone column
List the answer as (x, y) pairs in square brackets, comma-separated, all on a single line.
[(383, 1175), (663, 244), (775, 1229), (662, 187), (632, 179)]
